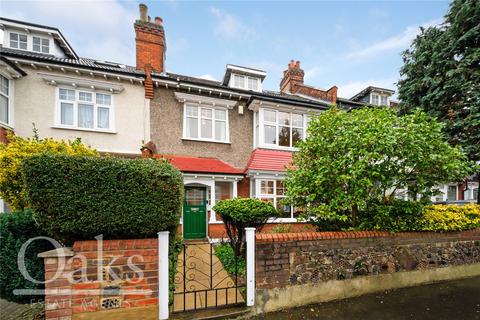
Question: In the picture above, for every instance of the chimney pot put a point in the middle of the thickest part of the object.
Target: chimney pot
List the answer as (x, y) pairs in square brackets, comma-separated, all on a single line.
[(297, 64), (158, 21), (149, 19), (143, 11)]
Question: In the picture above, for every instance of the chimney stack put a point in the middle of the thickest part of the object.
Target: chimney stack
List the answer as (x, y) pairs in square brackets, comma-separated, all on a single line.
[(150, 42), (291, 77)]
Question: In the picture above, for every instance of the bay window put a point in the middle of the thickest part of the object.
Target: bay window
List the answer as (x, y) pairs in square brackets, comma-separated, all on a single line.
[(84, 109), (4, 100), (205, 123), (273, 191), (282, 129)]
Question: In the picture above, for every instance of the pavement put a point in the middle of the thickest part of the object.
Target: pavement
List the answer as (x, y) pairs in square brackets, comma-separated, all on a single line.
[(452, 300)]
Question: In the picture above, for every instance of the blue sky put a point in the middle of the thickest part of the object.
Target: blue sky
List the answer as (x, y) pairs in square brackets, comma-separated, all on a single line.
[(351, 44)]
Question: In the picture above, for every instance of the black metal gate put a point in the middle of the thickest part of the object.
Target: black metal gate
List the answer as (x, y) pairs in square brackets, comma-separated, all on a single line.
[(201, 281)]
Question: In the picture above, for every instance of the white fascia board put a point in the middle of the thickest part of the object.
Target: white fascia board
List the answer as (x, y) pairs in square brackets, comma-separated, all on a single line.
[(216, 177), (197, 99), (81, 69), (257, 104), (54, 79), (259, 73)]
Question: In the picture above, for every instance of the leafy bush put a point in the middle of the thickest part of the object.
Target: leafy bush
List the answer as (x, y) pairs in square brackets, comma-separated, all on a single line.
[(15, 229), (395, 215), (227, 257), (12, 188), (281, 228), (78, 197), (239, 213), (451, 217)]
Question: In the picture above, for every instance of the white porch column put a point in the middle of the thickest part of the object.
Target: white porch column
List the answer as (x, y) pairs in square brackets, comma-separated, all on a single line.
[(234, 189), (163, 240), (250, 239), (213, 216)]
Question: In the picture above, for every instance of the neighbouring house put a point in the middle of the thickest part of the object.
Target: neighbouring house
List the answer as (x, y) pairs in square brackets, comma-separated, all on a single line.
[(44, 82), (229, 138)]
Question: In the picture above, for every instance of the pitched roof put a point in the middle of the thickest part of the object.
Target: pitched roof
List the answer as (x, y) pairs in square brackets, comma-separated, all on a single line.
[(269, 160), (266, 95), (80, 62), (200, 165), (57, 34), (368, 89)]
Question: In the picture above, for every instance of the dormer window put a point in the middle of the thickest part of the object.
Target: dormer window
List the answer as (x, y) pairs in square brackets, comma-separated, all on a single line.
[(41, 45), (244, 78), (18, 41), (375, 99), (245, 82)]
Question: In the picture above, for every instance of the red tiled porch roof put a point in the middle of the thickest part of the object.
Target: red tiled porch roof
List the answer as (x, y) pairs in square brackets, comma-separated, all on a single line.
[(200, 165), (269, 160)]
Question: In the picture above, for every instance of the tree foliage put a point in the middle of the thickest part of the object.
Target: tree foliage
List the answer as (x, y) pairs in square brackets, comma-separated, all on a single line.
[(240, 213), (368, 154), (441, 75), (12, 187)]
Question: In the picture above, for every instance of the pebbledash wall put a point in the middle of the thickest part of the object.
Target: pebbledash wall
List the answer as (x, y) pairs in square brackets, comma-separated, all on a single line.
[(295, 269)]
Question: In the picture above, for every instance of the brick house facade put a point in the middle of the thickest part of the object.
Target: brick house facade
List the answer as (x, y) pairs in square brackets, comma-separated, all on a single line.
[(230, 138)]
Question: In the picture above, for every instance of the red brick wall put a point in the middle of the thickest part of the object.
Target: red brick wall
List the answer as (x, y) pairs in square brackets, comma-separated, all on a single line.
[(243, 188), (3, 135), (150, 45), (84, 288), (311, 257)]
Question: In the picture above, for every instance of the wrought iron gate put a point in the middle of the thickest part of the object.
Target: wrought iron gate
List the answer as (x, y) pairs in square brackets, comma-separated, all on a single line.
[(201, 281)]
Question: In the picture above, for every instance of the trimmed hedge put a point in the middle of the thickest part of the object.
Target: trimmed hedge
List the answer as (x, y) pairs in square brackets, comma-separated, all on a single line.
[(78, 197), (239, 213), (15, 229)]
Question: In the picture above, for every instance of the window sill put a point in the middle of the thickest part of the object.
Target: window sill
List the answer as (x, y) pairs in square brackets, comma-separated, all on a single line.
[(203, 140), (266, 146), (83, 129), (5, 125)]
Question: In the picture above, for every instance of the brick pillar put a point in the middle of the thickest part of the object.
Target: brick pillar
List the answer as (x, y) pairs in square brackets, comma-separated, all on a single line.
[(57, 286), (3, 135)]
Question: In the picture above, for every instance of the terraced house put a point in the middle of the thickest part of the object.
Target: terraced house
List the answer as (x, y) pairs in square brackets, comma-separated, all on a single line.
[(230, 138)]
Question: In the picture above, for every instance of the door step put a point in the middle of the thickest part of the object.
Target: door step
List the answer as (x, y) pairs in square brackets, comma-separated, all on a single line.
[(195, 241), (213, 314)]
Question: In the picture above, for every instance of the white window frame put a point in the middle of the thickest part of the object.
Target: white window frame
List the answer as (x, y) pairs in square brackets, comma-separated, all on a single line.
[(41, 45), (245, 82), (199, 122), (9, 97), (76, 102), (274, 197), (18, 41), (261, 129), (456, 192), (380, 96)]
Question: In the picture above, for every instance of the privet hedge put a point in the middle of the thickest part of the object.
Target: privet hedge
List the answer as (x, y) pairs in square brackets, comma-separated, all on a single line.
[(15, 229), (78, 197)]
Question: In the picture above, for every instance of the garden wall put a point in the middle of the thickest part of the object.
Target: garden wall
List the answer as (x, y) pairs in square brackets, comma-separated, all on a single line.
[(299, 268), (123, 279)]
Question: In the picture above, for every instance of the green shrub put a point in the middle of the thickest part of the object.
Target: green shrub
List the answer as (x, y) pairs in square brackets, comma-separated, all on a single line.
[(78, 197), (12, 187), (227, 257), (239, 213), (281, 228), (451, 217), (15, 229), (395, 215)]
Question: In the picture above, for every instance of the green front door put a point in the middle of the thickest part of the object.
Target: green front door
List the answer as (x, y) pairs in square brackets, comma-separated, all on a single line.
[(195, 213)]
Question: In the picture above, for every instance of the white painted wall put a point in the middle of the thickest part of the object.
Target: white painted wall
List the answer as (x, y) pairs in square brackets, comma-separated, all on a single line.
[(35, 102)]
